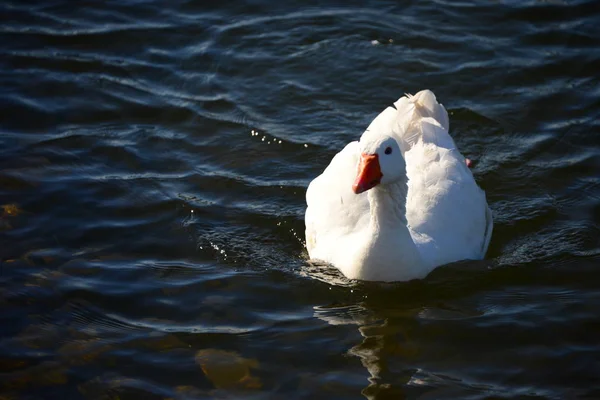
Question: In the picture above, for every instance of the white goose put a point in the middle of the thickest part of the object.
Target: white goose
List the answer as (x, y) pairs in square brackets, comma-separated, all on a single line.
[(399, 202)]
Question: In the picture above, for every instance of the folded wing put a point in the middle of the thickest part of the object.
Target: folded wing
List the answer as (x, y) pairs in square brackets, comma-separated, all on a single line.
[(446, 211)]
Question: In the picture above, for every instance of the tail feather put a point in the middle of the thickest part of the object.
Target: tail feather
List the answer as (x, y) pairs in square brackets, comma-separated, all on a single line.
[(413, 118), (412, 111), (427, 106)]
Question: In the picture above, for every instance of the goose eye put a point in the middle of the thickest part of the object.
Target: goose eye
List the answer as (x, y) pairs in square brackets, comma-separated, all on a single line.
[(388, 150)]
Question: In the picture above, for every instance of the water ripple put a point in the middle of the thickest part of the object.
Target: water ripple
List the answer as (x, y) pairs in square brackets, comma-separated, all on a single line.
[(153, 164)]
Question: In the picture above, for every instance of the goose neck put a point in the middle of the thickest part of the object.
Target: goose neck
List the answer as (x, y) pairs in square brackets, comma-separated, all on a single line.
[(388, 205)]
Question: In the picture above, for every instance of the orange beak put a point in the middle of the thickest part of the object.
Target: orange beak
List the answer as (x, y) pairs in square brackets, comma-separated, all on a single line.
[(369, 173)]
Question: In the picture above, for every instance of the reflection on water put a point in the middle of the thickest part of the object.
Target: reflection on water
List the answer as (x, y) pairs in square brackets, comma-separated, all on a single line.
[(371, 351), (382, 341)]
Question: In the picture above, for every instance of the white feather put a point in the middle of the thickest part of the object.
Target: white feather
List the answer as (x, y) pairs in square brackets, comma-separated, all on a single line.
[(447, 217)]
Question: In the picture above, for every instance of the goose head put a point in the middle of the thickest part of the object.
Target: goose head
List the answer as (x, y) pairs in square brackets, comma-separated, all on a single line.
[(380, 163)]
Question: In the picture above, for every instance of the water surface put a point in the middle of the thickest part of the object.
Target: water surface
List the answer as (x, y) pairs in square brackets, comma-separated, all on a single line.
[(153, 161)]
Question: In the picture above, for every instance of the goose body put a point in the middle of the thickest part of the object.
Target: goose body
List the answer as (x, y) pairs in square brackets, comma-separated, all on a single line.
[(400, 201)]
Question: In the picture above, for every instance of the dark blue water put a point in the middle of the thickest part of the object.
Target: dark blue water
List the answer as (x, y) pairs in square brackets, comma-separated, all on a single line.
[(153, 161)]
